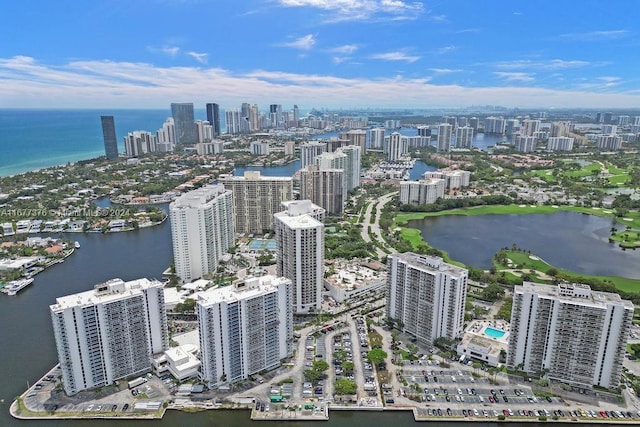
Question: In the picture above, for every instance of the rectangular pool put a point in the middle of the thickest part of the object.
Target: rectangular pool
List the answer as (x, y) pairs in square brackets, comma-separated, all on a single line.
[(493, 332)]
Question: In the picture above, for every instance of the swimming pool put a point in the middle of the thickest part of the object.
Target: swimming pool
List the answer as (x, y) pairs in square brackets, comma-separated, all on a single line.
[(493, 332)]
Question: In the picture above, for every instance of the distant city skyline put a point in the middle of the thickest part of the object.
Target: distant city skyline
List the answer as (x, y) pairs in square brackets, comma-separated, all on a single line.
[(343, 53)]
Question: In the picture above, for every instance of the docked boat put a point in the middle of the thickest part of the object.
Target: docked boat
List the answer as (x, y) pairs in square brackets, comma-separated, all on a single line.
[(15, 286), (76, 245)]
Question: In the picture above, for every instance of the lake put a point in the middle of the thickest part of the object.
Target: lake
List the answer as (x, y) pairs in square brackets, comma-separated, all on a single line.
[(568, 240)]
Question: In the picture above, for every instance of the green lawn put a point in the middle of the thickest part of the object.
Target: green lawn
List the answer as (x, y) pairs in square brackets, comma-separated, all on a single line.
[(585, 171), (524, 260), (627, 238)]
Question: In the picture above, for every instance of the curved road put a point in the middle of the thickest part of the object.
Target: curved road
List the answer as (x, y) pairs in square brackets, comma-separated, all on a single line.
[(375, 228)]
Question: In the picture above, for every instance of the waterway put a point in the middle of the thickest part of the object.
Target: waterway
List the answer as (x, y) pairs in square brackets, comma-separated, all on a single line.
[(568, 240), (290, 169)]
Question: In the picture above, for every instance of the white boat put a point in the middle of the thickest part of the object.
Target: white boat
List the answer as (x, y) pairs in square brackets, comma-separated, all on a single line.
[(76, 244), (16, 285)]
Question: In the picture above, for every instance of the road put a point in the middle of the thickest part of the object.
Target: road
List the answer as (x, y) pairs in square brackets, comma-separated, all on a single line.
[(375, 228)]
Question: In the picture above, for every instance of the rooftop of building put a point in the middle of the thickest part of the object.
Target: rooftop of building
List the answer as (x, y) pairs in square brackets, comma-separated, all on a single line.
[(199, 197), (109, 291), (297, 221), (300, 207), (247, 289), (430, 263), (253, 176), (574, 293)]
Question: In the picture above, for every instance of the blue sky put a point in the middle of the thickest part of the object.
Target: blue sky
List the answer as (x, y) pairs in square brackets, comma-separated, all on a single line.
[(320, 53)]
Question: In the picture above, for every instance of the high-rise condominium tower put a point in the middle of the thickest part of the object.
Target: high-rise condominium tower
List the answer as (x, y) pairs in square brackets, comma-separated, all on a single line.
[(109, 136), (109, 333), (427, 295), (184, 122), (201, 230), (444, 137), (245, 328), (324, 187), (571, 333), (256, 198), (213, 117), (300, 254)]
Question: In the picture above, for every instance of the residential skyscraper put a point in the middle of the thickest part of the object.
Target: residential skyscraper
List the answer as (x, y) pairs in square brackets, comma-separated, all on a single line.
[(232, 120), (356, 137), (244, 328), (525, 144), (571, 333), (352, 165), (494, 125), (256, 198), (560, 143), (213, 117), (166, 135), (204, 131), (309, 151), (609, 142), (201, 230), (109, 137), (184, 122), (445, 131), (427, 295), (109, 333), (395, 146), (375, 138), (324, 187), (139, 142), (530, 127), (421, 192), (464, 137), (300, 255)]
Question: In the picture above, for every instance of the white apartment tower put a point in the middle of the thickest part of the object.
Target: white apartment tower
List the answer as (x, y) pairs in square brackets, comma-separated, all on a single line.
[(560, 143), (201, 230), (375, 138), (444, 137), (427, 295), (395, 146), (571, 333), (495, 125), (352, 165), (244, 329), (300, 255), (525, 144), (256, 198), (464, 137), (309, 151), (421, 192), (109, 333)]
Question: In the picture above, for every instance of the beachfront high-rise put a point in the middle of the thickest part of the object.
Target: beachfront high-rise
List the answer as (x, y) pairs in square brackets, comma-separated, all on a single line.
[(245, 328), (300, 254), (573, 334), (213, 117), (109, 333), (184, 123), (109, 136), (427, 295), (201, 230), (256, 198)]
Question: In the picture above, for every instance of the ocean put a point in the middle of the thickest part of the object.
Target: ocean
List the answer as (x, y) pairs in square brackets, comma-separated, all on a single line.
[(36, 139), (33, 139)]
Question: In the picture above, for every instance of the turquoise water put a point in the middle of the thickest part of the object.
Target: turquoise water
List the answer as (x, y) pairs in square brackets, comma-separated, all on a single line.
[(493, 332), (35, 139)]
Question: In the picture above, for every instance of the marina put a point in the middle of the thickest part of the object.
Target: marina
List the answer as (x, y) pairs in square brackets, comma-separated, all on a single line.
[(15, 286)]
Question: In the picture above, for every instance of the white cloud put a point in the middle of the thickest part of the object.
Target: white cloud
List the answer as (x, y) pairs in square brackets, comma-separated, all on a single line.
[(361, 10), (347, 49), (27, 83), (553, 64), (340, 59), (200, 57), (303, 43), (445, 70), (515, 77), (596, 35), (395, 56), (170, 50), (445, 49)]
